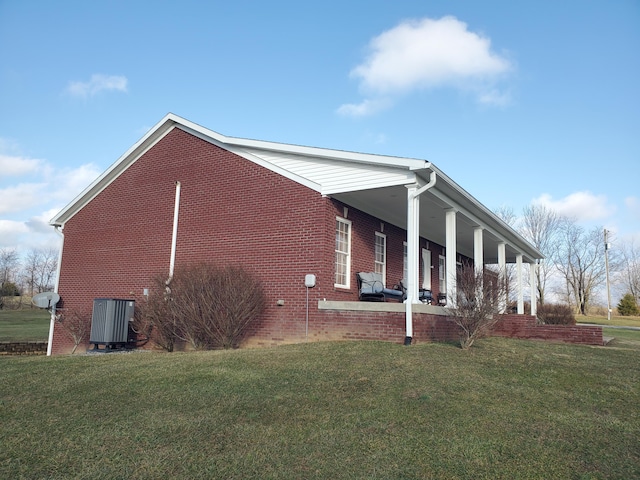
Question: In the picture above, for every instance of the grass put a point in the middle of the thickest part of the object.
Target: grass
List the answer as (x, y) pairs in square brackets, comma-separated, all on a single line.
[(504, 409), (615, 320), (24, 325)]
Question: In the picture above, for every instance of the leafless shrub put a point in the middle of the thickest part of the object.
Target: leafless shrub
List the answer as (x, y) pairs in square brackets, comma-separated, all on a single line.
[(205, 305), (556, 314), (77, 324), (476, 303), (153, 317)]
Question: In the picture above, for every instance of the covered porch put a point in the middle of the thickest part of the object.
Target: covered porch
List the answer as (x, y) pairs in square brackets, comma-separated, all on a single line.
[(429, 205)]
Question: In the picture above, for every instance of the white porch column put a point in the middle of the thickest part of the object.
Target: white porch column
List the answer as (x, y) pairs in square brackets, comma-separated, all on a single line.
[(520, 285), (413, 243), (502, 265), (413, 240), (478, 249), (534, 288), (451, 254)]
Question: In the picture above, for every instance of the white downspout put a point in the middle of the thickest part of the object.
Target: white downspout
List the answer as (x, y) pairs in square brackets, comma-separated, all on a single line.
[(52, 322), (174, 236), (413, 244)]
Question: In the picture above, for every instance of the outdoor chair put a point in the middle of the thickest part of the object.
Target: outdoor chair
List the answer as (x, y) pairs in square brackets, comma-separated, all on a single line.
[(372, 289), (442, 299), (424, 295)]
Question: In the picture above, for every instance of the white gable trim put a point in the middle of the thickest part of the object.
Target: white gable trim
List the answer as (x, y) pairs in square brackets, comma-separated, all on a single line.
[(383, 170), (114, 171), (254, 158)]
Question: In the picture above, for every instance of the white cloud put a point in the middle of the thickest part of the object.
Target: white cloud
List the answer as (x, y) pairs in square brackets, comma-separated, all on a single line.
[(10, 233), (430, 53), (633, 205), (583, 206), (364, 108), (495, 98), (11, 165), (68, 183), (96, 84), (26, 207), (20, 197)]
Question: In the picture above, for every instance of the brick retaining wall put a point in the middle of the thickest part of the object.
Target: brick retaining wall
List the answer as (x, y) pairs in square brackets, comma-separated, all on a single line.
[(526, 327), (23, 348)]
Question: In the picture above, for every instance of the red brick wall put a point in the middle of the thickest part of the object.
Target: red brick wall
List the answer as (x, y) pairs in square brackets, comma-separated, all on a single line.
[(525, 326), (232, 211), (360, 325)]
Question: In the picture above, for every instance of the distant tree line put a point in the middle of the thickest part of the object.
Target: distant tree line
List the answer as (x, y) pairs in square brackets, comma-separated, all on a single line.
[(574, 265), (26, 275)]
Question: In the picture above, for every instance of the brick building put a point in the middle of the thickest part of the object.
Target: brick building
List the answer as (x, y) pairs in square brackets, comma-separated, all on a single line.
[(184, 194)]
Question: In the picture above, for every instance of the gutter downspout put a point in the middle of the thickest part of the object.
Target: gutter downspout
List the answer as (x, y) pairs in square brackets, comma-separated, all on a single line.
[(413, 243), (55, 289), (174, 235)]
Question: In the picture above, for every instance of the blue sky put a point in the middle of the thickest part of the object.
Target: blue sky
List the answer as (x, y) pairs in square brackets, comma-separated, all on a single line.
[(518, 102)]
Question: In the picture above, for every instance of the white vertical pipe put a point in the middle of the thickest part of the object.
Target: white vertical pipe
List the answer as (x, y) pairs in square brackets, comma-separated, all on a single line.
[(478, 249), (451, 254), (174, 236), (502, 265), (412, 249), (520, 284), (534, 288), (52, 322)]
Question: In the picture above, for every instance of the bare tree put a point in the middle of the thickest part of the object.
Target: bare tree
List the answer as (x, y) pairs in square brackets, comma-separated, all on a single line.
[(477, 303), (40, 266), (76, 324), (630, 268), (508, 216), (542, 227), (9, 264), (580, 260)]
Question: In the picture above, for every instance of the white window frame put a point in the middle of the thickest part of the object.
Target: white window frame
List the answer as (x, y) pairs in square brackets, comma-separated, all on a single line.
[(346, 254), (380, 264), (442, 273), (426, 269)]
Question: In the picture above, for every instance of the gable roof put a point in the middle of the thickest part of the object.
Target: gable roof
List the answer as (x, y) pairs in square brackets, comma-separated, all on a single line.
[(372, 183)]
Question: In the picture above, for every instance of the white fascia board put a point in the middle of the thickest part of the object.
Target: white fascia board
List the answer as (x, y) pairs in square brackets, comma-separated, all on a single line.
[(155, 134), (494, 224), (368, 186), (342, 155), (253, 158)]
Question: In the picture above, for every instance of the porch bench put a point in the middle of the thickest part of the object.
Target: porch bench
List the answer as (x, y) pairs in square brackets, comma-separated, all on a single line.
[(372, 289)]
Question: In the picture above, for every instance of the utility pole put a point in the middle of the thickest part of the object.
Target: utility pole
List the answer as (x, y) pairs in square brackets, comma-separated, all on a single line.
[(606, 267)]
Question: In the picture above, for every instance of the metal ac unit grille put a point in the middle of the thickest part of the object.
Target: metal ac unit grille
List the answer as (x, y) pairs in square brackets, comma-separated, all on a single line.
[(110, 321)]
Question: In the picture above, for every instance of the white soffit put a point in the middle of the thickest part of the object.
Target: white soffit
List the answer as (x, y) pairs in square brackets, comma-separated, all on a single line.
[(335, 176)]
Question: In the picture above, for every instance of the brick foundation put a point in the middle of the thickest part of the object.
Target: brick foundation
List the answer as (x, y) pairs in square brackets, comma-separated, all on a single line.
[(23, 348), (526, 327)]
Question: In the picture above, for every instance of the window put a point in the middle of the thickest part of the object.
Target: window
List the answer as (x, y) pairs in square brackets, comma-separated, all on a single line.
[(426, 269), (442, 273), (381, 256), (405, 272), (343, 252)]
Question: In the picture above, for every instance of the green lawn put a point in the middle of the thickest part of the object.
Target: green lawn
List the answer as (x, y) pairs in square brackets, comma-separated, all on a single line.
[(24, 325), (621, 321), (505, 409)]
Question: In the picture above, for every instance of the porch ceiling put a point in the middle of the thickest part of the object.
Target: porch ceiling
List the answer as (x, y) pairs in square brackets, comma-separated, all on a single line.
[(389, 204)]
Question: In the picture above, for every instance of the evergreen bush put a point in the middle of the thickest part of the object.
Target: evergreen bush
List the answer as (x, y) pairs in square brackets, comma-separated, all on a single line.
[(628, 305)]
